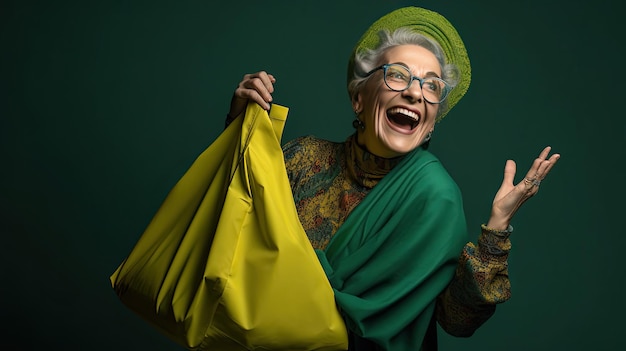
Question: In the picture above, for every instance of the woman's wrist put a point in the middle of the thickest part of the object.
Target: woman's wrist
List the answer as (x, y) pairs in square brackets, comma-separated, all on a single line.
[(496, 223)]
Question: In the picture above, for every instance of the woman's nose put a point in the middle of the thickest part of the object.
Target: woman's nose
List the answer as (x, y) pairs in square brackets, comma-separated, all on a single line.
[(414, 91)]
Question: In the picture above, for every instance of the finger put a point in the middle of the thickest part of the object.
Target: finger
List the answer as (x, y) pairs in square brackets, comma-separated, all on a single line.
[(256, 87), (263, 86), (268, 80), (509, 172), (533, 171), (545, 152), (536, 171), (260, 81), (547, 165), (254, 95), (272, 80), (534, 175)]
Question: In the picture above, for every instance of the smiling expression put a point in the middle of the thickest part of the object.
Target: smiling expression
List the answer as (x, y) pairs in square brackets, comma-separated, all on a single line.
[(397, 122)]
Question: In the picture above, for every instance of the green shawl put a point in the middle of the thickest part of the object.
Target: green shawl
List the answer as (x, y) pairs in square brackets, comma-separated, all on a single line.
[(396, 252)]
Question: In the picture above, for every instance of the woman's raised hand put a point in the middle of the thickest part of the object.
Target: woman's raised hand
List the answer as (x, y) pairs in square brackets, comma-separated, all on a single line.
[(257, 87), (510, 197)]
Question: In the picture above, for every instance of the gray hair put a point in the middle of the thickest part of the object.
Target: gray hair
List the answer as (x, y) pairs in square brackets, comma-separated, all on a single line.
[(367, 60)]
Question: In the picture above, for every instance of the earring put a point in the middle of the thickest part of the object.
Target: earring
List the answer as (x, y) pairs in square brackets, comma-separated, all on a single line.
[(357, 123), (430, 134)]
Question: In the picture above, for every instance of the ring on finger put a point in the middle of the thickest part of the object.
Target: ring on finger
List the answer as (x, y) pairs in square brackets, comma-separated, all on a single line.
[(532, 182)]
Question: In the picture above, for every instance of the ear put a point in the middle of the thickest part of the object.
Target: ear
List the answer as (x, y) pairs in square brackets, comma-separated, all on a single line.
[(357, 103)]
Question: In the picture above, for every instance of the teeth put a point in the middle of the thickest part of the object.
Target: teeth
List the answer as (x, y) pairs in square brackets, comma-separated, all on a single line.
[(405, 112)]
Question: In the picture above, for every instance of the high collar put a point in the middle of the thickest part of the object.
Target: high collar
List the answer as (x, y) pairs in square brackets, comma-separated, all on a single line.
[(364, 167)]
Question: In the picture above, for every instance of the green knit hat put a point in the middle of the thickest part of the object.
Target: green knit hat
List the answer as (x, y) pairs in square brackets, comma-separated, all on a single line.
[(434, 26)]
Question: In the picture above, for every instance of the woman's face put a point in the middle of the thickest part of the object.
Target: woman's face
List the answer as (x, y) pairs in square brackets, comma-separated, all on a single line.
[(397, 122)]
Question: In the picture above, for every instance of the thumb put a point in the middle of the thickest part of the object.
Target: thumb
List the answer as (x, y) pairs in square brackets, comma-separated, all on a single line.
[(509, 172)]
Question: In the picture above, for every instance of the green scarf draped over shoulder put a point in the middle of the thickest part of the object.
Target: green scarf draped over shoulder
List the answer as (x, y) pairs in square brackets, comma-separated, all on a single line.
[(396, 252)]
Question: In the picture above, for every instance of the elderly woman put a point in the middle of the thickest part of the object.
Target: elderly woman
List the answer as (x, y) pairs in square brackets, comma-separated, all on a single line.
[(384, 216)]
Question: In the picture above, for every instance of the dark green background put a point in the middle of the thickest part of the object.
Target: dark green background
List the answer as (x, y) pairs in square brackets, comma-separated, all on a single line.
[(104, 105)]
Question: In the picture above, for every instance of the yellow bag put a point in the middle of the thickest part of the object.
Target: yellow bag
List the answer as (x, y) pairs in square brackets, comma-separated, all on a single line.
[(225, 263)]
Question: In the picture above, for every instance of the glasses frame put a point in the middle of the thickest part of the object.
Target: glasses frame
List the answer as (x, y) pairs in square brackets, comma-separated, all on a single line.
[(412, 78)]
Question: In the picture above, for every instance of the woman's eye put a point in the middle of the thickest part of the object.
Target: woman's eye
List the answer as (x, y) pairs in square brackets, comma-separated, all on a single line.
[(397, 75), (431, 85)]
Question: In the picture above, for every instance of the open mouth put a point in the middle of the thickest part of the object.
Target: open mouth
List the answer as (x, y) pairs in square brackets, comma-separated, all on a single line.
[(403, 118)]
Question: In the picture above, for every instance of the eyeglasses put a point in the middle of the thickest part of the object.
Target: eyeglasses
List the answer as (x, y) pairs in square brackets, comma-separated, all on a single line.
[(399, 78)]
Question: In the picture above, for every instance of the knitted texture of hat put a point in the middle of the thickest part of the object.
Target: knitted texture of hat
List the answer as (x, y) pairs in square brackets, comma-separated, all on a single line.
[(432, 25)]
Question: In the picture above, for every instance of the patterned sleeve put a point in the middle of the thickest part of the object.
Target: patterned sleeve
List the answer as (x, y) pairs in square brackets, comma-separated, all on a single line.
[(481, 281)]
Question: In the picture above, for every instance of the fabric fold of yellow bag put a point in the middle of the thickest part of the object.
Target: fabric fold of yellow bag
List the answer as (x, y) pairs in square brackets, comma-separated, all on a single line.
[(225, 263)]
